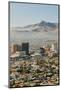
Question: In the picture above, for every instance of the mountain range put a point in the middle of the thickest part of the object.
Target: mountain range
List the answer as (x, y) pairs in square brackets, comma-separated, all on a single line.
[(42, 26)]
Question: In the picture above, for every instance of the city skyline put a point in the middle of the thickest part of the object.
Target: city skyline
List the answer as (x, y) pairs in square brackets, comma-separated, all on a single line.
[(22, 14)]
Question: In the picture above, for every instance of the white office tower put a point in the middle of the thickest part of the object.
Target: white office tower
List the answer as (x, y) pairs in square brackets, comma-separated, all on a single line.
[(52, 47)]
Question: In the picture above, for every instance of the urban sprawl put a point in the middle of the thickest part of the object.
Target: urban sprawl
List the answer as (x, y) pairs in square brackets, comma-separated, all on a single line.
[(33, 67)]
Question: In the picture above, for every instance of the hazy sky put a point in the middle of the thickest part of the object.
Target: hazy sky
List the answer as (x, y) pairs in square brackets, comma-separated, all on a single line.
[(22, 14)]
